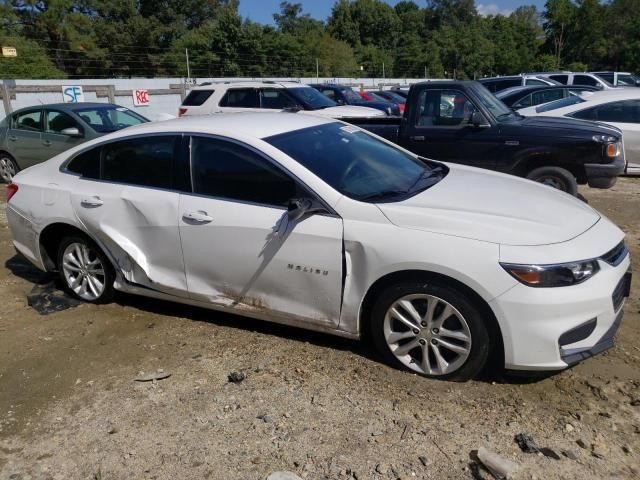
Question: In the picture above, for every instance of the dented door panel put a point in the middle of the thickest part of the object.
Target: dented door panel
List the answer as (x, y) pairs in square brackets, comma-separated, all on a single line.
[(250, 257), (139, 228)]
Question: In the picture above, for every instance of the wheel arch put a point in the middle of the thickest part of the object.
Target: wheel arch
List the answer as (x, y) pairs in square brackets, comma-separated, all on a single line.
[(497, 354), (50, 238), (548, 158)]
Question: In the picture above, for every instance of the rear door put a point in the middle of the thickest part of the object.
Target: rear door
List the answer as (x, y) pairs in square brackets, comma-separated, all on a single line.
[(53, 138), (440, 128), (126, 196), (240, 249), (24, 138), (240, 100)]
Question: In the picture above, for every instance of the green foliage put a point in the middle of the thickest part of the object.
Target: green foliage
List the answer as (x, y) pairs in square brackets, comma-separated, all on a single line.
[(433, 38)]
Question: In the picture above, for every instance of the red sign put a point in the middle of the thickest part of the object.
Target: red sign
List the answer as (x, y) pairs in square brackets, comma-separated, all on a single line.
[(141, 98)]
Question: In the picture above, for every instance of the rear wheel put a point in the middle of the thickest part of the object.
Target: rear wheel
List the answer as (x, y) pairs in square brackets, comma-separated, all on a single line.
[(432, 329), (84, 270), (8, 168), (556, 177)]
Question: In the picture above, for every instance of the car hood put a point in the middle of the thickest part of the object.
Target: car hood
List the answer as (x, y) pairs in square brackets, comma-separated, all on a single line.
[(542, 125), (493, 207), (347, 111)]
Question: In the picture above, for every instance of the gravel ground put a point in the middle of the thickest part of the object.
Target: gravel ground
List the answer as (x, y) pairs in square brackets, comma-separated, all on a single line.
[(320, 406)]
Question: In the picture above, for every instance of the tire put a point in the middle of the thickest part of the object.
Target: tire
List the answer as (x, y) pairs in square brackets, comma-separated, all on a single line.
[(556, 177), (8, 167), (464, 320), (85, 271)]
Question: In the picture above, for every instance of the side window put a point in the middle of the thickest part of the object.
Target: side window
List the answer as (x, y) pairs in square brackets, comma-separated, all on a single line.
[(563, 79), (504, 84), (329, 93), (87, 164), (197, 98), (241, 98), (30, 120), (141, 161), (622, 112), (276, 98), (586, 114), (58, 121), (491, 86), (523, 102), (607, 77), (585, 80), (533, 81), (545, 96), (228, 170), (448, 108)]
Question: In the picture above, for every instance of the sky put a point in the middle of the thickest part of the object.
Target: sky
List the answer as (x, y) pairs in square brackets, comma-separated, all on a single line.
[(262, 10)]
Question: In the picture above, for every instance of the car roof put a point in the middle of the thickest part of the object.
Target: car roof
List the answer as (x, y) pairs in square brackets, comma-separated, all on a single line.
[(254, 124), (247, 84), (525, 89), (70, 106)]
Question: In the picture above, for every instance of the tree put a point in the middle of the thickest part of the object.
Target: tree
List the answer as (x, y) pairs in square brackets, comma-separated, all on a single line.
[(559, 16), (290, 20)]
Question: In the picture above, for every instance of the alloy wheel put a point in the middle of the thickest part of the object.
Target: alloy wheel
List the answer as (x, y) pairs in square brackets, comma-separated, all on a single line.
[(427, 334), (7, 169), (83, 271)]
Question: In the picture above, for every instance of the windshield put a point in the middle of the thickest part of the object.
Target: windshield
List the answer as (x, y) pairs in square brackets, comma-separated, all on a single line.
[(311, 98), (109, 118), (495, 106), (357, 164), (563, 102)]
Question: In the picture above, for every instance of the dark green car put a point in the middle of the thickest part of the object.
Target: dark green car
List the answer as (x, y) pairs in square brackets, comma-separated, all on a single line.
[(34, 134)]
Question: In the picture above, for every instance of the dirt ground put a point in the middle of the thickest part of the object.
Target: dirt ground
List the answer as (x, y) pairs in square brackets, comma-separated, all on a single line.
[(317, 405)]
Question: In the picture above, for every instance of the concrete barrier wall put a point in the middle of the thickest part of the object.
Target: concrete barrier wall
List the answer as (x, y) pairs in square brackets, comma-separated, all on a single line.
[(165, 93)]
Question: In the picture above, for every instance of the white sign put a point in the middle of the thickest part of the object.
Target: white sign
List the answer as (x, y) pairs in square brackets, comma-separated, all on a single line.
[(72, 94), (9, 52), (141, 98)]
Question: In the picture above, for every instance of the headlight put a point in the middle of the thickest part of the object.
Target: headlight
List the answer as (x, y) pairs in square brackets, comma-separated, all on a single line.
[(611, 145), (558, 275)]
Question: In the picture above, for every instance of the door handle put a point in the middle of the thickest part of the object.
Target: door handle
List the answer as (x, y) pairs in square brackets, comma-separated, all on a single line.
[(46, 143), (91, 202), (417, 138), (13, 138), (197, 217)]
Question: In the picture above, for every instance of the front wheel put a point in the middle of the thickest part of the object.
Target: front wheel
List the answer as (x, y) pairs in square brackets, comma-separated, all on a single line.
[(556, 177), (84, 270), (432, 329)]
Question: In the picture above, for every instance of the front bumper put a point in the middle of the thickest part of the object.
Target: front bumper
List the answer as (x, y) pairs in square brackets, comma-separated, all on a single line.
[(604, 175), (554, 328)]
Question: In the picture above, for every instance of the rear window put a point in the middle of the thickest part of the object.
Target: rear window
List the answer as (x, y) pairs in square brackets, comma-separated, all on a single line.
[(197, 98)]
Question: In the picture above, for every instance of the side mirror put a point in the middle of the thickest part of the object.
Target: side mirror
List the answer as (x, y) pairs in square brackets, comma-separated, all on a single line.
[(479, 120), (299, 207), (71, 132)]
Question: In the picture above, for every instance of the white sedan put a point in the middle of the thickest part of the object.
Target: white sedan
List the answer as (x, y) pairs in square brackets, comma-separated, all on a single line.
[(619, 107), (311, 222)]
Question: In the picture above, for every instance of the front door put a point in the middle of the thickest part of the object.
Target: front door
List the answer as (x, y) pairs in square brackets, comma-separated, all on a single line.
[(53, 138), (440, 128), (25, 138), (240, 249), (126, 197)]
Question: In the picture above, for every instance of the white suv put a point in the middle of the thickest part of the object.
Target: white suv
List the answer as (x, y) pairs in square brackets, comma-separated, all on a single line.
[(234, 97)]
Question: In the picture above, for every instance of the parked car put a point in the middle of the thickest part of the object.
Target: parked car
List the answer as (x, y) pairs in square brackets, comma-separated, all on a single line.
[(522, 97), (34, 134), (311, 222), (620, 108), (496, 84), (374, 97), (391, 96), (619, 79), (463, 122), (343, 95), (571, 78), (234, 97)]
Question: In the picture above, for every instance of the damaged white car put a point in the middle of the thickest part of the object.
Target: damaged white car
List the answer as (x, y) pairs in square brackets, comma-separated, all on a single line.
[(311, 222)]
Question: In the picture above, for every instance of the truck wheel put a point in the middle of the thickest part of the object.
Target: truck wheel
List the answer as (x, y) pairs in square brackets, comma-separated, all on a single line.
[(431, 329), (556, 177)]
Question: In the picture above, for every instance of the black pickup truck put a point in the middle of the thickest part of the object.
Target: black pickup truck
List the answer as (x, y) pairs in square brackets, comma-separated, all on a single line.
[(462, 122)]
